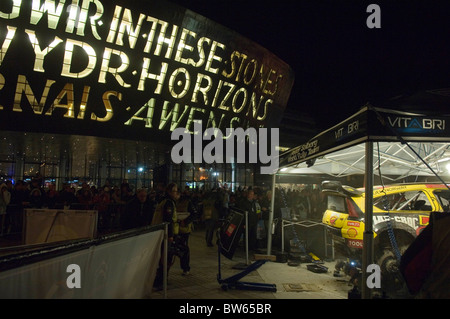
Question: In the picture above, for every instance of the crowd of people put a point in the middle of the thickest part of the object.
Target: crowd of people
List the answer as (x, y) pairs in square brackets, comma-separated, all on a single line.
[(21, 195), (201, 207), (211, 206), (208, 205), (305, 203), (147, 206)]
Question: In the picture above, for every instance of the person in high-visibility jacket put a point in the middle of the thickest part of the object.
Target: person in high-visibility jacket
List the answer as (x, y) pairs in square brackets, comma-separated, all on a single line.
[(185, 205), (166, 212)]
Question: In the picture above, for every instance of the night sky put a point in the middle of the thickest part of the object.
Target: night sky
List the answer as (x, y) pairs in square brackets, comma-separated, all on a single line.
[(340, 64)]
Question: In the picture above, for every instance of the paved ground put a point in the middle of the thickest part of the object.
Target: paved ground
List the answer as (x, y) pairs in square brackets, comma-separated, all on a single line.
[(292, 282)]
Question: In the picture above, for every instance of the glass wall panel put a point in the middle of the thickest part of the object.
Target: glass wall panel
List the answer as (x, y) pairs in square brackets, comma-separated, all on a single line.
[(6, 170)]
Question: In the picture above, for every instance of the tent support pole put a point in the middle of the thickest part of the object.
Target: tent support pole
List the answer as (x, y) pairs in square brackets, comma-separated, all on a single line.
[(368, 251), (165, 258), (272, 209)]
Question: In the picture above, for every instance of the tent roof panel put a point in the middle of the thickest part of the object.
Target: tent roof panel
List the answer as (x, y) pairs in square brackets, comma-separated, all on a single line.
[(370, 124)]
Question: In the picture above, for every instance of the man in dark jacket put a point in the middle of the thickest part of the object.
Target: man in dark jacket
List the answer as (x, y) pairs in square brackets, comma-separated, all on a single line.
[(210, 215), (248, 204), (139, 211)]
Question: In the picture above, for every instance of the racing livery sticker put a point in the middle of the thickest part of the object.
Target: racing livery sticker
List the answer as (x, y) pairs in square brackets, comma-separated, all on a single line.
[(412, 222), (333, 220), (354, 224), (352, 232), (355, 243)]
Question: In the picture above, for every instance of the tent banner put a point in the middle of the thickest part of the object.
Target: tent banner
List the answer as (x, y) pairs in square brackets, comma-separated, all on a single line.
[(410, 125), (370, 124), (124, 268), (337, 137)]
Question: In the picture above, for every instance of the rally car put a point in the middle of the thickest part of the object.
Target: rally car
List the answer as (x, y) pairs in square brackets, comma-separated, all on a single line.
[(400, 212)]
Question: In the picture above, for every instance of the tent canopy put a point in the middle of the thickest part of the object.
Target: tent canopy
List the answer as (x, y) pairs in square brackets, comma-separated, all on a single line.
[(396, 143), (395, 161), (376, 125)]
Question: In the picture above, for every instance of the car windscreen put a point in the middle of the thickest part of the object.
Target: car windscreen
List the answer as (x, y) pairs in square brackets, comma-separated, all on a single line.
[(336, 203), (410, 200), (444, 199)]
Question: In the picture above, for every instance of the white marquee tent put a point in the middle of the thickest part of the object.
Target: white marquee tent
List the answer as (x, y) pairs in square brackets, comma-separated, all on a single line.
[(374, 140)]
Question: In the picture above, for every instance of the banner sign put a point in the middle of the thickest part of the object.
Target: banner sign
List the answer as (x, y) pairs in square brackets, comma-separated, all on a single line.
[(131, 70), (354, 128), (370, 123), (412, 125)]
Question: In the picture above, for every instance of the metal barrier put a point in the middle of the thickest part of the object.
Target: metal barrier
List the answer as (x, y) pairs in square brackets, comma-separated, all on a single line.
[(124, 275)]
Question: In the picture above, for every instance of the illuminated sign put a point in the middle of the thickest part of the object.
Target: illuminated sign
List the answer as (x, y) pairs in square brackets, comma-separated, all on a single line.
[(121, 68)]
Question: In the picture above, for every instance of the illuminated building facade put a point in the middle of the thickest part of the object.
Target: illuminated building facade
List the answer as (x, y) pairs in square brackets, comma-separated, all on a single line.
[(92, 89)]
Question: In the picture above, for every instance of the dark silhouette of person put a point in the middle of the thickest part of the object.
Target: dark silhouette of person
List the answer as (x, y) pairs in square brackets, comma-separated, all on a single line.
[(139, 211), (248, 204)]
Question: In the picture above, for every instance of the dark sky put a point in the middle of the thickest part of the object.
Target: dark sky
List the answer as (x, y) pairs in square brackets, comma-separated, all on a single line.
[(340, 63)]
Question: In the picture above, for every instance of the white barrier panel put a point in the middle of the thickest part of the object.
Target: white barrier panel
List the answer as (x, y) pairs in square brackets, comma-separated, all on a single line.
[(125, 268), (52, 225)]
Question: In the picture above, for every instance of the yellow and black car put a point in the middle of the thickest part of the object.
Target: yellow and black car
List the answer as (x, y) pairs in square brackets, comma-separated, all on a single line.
[(400, 212)]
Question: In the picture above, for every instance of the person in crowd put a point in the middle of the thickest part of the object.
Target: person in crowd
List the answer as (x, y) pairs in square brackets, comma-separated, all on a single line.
[(20, 195), (94, 191), (241, 196), (160, 192), (125, 192), (119, 206), (166, 211), (84, 187), (260, 227), (248, 204), (107, 185), (36, 198), (51, 196), (185, 204), (223, 202), (210, 215), (266, 206), (138, 211), (67, 196), (101, 202), (84, 198), (196, 202), (304, 204), (9, 186), (38, 179), (5, 199), (116, 198), (152, 198), (232, 201), (277, 219), (36, 184), (318, 204), (20, 199)]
